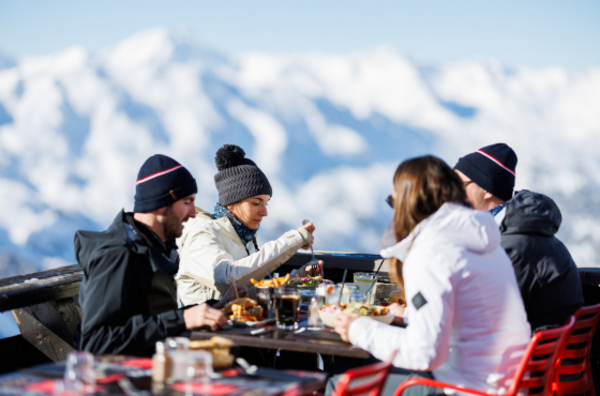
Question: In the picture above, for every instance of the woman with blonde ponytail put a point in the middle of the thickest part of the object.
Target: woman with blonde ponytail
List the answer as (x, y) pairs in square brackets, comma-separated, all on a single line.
[(464, 311)]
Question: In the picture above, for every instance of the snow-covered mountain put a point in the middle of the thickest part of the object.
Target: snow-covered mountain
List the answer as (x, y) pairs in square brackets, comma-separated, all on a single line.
[(328, 130)]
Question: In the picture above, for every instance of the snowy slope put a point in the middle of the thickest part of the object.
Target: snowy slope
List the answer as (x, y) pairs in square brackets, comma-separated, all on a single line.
[(327, 129)]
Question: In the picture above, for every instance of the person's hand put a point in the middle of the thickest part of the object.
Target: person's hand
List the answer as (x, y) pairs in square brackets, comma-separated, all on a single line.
[(203, 315), (342, 323), (398, 313), (230, 295), (310, 228), (308, 268)]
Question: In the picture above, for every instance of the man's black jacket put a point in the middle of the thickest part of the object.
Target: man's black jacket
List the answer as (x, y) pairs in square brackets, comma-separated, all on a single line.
[(128, 294), (547, 276)]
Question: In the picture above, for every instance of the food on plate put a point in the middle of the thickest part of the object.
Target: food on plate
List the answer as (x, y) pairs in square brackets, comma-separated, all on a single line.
[(367, 310), (219, 348), (244, 310), (306, 281), (397, 297), (277, 282)]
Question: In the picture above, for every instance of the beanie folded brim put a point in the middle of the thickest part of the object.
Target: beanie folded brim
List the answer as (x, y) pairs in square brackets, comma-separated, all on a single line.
[(185, 190)]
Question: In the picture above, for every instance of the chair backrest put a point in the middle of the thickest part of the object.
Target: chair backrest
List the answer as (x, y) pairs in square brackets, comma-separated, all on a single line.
[(535, 373), (577, 352), (364, 380)]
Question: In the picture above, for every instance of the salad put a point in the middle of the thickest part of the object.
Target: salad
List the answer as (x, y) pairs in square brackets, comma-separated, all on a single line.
[(306, 281), (355, 308)]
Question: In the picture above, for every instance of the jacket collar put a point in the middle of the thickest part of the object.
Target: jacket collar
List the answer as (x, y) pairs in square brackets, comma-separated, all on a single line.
[(163, 257)]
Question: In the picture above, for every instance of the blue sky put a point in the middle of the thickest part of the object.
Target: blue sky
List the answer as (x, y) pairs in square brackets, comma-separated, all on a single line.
[(533, 33)]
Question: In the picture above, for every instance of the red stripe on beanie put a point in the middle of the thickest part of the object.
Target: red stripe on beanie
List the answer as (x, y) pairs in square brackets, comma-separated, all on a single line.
[(498, 162), (157, 174)]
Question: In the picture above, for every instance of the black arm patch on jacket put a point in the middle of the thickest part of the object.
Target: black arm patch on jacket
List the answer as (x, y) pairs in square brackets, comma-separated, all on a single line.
[(418, 300)]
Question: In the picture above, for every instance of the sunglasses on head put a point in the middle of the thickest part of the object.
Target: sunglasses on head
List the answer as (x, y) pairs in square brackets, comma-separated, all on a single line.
[(390, 201)]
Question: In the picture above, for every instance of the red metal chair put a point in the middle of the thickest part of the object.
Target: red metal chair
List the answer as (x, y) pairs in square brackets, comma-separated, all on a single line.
[(534, 374), (577, 353), (367, 380)]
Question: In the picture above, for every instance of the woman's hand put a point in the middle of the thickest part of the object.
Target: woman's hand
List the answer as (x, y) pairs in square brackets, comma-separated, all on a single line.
[(310, 228), (230, 295), (343, 320), (398, 313), (308, 269)]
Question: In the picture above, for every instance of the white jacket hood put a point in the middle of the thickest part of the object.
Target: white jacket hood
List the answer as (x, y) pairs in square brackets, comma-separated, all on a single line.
[(473, 230)]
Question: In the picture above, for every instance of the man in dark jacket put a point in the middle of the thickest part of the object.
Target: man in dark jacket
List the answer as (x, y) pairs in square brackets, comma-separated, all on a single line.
[(128, 294), (547, 276)]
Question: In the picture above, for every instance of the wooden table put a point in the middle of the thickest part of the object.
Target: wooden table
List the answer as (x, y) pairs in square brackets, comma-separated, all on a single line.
[(323, 342)]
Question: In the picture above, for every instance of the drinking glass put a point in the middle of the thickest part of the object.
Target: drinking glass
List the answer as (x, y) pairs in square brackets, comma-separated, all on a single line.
[(80, 368), (199, 366), (305, 298), (366, 282), (264, 298), (287, 301), (334, 296), (358, 298)]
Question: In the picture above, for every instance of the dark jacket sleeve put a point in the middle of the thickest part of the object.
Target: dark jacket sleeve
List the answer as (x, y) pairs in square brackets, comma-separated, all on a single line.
[(115, 308), (525, 273)]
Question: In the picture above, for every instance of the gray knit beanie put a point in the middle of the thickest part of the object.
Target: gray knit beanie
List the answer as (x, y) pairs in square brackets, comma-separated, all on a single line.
[(238, 177)]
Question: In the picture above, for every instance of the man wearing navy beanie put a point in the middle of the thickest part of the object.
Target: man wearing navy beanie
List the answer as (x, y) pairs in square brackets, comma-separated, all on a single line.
[(528, 221), (128, 295)]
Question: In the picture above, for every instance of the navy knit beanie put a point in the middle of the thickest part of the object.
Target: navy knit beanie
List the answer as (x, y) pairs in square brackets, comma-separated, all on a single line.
[(161, 181), (491, 168), (238, 177)]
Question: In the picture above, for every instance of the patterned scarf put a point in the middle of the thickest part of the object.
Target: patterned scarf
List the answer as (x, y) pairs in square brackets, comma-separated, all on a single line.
[(497, 209), (246, 234)]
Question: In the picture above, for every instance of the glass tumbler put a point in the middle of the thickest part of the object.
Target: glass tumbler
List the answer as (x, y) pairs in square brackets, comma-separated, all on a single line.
[(80, 367), (358, 298), (367, 284), (287, 301), (199, 366)]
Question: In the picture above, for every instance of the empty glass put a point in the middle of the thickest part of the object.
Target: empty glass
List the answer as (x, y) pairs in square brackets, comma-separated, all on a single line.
[(199, 366), (358, 298), (80, 367)]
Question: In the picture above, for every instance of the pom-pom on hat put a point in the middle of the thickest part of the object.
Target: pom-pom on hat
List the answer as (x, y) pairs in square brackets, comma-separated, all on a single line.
[(491, 168), (238, 177), (162, 181)]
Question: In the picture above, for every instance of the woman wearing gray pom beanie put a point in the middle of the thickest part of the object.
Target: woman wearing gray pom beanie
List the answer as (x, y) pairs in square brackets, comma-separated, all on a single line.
[(219, 248)]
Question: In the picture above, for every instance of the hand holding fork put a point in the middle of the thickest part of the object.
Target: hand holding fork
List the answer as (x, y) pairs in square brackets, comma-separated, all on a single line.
[(315, 265)]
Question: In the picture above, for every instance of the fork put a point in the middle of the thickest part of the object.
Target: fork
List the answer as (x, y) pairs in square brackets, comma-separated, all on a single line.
[(315, 268)]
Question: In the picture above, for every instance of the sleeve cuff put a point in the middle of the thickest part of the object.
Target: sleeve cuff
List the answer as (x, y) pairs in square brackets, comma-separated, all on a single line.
[(358, 327), (173, 322)]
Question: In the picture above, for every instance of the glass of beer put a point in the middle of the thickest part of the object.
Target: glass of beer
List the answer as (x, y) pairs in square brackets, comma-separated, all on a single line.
[(366, 282), (287, 301)]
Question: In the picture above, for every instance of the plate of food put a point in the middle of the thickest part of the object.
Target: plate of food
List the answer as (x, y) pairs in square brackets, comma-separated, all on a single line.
[(307, 282), (245, 312), (380, 314), (276, 282)]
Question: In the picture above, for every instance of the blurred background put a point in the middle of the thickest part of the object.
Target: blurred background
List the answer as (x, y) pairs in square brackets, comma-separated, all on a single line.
[(326, 97)]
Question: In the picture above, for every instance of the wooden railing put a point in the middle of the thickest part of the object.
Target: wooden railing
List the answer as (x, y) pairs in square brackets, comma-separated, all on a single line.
[(44, 304)]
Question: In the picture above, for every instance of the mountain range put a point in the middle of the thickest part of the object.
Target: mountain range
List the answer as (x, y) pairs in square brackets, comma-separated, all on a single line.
[(327, 129)]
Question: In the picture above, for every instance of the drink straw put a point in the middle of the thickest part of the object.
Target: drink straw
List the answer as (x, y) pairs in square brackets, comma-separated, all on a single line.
[(343, 282), (375, 276)]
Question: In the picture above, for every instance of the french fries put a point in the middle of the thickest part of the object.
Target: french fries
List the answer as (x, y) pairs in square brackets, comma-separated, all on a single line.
[(277, 282)]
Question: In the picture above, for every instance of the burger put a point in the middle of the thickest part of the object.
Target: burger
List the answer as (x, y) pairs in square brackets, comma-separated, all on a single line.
[(244, 310)]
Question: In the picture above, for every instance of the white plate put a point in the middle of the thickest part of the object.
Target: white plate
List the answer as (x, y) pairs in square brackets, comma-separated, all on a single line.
[(329, 318)]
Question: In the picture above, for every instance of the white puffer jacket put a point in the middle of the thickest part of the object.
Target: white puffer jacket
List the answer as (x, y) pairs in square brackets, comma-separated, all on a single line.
[(212, 255), (467, 322)]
